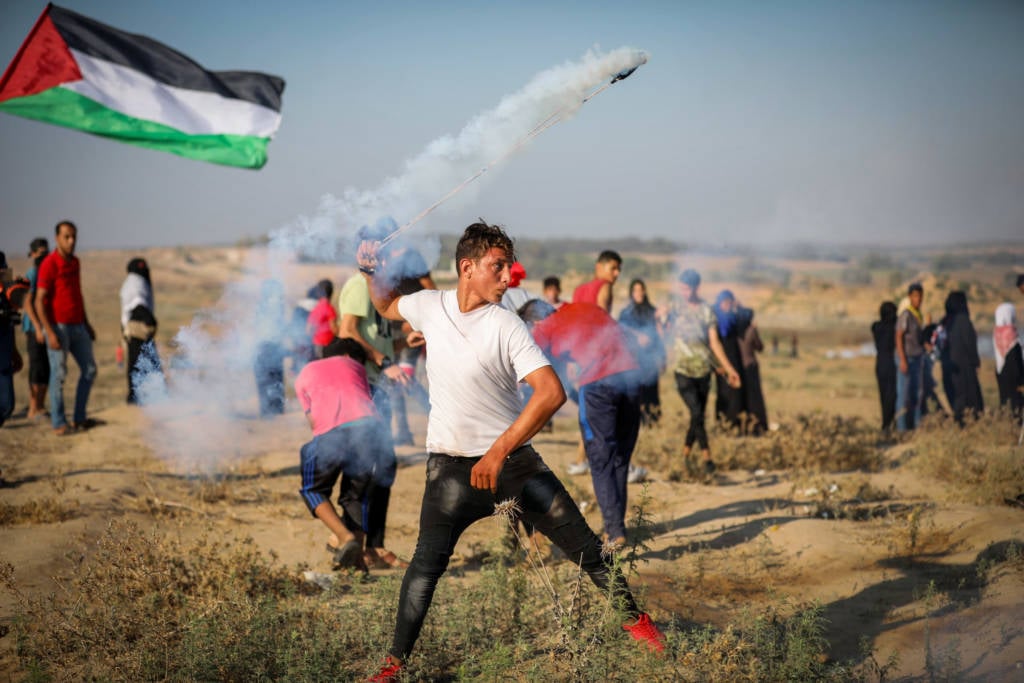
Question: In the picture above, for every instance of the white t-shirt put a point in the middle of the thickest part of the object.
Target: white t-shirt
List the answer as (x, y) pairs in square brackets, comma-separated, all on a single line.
[(475, 362)]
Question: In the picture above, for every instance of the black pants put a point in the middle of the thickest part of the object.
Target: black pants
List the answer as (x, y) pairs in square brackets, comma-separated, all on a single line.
[(694, 392), (729, 403), (757, 412), (450, 505), (885, 373), (38, 360), (143, 359)]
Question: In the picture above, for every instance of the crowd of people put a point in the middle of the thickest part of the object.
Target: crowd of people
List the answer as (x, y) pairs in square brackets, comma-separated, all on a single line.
[(909, 344), (499, 363)]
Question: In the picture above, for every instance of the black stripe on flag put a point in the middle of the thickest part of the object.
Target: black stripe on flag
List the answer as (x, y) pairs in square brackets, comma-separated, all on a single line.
[(162, 63)]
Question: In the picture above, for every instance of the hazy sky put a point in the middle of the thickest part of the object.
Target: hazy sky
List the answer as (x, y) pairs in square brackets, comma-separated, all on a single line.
[(866, 122)]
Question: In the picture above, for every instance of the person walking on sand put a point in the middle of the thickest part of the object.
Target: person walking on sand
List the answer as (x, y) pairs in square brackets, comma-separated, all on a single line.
[(750, 345), (598, 291), (729, 401), (909, 359), (962, 358), (10, 359), (61, 310), (640, 317), (35, 341), (138, 326), (609, 382), (698, 352), (1009, 361), (349, 438), (884, 332), (478, 432)]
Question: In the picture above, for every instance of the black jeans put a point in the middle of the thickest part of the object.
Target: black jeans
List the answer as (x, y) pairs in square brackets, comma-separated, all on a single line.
[(694, 392), (450, 505)]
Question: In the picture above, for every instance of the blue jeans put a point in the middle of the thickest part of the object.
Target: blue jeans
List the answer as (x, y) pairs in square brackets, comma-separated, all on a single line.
[(74, 339), (610, 421), (908, 393)]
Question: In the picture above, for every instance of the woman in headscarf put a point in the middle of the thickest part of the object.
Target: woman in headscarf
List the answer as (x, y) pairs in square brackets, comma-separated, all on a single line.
[(138, 326), (884, 332), (698, 352), (1009, 362), (962, 357), (640, 318), (729, 401), (750, 345)]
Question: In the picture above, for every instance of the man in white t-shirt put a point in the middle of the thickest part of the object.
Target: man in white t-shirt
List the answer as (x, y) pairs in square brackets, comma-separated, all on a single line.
[(478, 431)]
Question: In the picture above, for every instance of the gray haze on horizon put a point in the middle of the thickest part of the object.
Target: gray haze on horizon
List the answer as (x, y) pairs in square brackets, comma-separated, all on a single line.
[(860, 124)]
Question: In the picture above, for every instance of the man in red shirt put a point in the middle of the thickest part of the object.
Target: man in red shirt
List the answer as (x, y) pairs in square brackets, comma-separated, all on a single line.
[(609, 388), (599, 290), (61, 309)]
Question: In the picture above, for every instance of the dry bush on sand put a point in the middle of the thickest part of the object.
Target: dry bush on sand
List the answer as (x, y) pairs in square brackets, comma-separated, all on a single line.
[(982, 460)]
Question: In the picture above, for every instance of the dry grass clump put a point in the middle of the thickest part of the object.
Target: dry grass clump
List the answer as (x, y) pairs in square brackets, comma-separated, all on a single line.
[(815, 442), (38, 511), (141, 606), (145, 607), (982, 459)]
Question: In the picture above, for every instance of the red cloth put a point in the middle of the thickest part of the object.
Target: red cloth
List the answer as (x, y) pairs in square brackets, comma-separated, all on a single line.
[(587, 336), (587, 292), (62, 279), (334, 391), (319, 321), (516, 274)]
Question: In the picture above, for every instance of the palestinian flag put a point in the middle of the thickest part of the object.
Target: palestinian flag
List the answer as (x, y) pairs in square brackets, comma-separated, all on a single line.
[(76, 72)]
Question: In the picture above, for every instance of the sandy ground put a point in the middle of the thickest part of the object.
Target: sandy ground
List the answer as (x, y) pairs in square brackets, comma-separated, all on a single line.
[(744, 541)]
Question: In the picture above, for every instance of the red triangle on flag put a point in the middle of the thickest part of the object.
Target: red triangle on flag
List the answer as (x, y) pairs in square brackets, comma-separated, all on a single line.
[(42, 62)]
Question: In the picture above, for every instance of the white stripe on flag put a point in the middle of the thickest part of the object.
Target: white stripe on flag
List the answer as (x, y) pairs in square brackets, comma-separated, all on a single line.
[(193, 112)]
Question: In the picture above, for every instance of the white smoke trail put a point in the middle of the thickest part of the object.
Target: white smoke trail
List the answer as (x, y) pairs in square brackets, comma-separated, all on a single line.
[(198, 415)]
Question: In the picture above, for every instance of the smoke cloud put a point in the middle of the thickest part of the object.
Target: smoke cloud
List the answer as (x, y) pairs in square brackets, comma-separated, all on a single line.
[(202, 413)]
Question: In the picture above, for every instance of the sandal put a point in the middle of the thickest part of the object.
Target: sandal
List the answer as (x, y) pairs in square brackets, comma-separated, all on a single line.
[(64, 430)]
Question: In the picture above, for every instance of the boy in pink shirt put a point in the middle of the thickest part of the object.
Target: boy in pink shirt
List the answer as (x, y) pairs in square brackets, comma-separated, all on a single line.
[(349, 438)]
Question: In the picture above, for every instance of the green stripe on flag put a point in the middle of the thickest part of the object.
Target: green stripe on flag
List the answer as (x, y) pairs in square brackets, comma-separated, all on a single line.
[(66, 108)]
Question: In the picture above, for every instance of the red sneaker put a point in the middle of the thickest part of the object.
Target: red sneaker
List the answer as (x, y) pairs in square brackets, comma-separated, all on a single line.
[(389, 672), (644, 630)]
